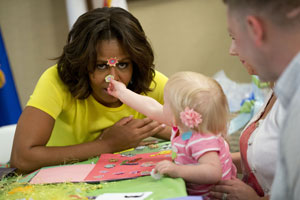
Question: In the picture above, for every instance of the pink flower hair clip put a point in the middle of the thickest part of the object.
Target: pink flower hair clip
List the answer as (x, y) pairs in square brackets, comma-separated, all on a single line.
[(190, 118), (112, 62)]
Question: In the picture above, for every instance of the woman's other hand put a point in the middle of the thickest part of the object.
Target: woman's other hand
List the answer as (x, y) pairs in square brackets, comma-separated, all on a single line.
[(128, 133), (235, 189)]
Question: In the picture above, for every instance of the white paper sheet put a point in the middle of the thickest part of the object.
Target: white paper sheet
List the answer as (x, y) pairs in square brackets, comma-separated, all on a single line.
[(124, 196)]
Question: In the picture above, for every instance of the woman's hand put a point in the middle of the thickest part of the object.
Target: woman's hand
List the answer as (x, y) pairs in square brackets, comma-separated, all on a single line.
[(235, 189), (30, 152), (167, 167), (128, 133)]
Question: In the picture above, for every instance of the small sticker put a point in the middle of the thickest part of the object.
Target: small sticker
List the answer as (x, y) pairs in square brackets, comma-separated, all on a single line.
[(112, 62), (99, 176), (134, 172), (145, 173), (110, 166), (147, 164), (134, 160), (140, 148), (153, 146), (118, 173), (109, 77), (128, 155), (155, 175)]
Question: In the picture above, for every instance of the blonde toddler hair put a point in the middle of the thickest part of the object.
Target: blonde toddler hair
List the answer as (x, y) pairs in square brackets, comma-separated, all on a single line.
[(204, 95)]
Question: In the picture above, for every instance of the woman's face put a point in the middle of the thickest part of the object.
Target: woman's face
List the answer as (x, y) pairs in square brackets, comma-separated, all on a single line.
[(122, 71), (233, 51)]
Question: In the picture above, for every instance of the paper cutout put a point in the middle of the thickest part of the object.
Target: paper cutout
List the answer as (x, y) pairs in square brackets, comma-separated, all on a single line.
[(137, 165), (125, 196), (65, 173), (108, 168), (112, 62), (155, 175), (109, 77)]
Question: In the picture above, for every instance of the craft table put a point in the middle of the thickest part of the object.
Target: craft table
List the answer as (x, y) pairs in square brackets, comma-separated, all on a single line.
[(165, 188)]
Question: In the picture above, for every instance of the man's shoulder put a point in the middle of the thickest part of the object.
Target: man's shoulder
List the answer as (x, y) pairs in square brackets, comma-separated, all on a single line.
[(294, 106), (291, 126)]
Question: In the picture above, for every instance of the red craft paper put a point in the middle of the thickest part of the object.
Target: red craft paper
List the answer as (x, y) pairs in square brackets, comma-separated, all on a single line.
[(65, 173), (98, 173)]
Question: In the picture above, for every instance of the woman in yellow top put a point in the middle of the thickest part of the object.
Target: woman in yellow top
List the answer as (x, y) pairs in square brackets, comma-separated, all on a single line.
[(70, 116)]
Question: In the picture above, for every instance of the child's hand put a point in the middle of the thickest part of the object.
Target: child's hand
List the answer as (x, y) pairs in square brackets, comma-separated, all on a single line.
[(115, 88), (167, 167)]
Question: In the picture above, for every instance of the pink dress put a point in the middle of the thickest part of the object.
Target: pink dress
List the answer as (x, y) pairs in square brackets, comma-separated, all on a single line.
[(189, 147)]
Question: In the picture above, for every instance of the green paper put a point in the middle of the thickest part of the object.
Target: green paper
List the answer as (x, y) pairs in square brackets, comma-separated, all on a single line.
[(162, 188)]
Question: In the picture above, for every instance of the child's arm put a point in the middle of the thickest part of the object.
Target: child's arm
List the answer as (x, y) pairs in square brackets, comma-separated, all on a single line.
[(209, 170), (143, 104)]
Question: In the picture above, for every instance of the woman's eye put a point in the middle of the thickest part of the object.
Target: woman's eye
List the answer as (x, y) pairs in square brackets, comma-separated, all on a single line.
[(122, 65), (102, 66)]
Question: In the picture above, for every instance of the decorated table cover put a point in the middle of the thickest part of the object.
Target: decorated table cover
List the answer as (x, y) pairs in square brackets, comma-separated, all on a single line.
[(124, 166), (109, 167), (18, 188)]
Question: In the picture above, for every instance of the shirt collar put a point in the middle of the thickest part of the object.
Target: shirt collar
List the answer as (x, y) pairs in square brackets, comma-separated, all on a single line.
[(288, 82)]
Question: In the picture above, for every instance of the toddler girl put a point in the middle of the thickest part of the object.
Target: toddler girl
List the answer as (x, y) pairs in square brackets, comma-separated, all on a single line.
[(196, 107)]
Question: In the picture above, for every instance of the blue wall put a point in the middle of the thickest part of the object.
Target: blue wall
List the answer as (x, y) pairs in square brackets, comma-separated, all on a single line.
[(10, 107)]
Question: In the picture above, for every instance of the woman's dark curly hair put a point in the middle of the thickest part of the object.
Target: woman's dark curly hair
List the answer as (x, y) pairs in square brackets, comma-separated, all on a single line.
[(79, 55)]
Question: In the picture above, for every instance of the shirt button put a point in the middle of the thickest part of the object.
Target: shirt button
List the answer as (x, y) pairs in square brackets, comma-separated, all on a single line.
[(266, 190), (250, 143), (253, 170)]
